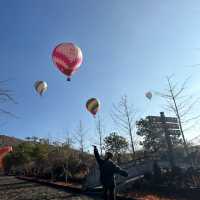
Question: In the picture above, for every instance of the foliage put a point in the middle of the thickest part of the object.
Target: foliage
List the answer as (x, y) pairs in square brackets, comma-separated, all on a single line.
[(153, 137), (116, 144), (40, 159)]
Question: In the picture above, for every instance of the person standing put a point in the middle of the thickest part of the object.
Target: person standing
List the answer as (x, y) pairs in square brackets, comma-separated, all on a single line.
[(107, 173)]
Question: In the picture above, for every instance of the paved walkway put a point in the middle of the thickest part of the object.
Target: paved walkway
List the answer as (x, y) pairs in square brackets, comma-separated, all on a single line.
[(15, 189)]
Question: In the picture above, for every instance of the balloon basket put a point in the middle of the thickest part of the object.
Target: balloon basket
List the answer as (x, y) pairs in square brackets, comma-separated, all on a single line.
[(68, 79)]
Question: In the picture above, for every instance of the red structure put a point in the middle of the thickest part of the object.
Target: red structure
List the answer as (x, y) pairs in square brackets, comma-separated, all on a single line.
[(3, 152)]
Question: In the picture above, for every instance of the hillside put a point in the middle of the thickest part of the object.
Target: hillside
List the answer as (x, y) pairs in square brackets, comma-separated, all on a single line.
[(9, 141)]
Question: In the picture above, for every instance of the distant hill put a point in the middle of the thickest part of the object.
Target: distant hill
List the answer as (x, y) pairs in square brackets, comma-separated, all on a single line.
[(9, 141)]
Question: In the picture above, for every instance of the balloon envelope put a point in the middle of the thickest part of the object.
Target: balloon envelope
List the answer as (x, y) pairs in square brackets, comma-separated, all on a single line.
[(93, 105), (67, 57), (148, 95), (40, 87), (3, 152)]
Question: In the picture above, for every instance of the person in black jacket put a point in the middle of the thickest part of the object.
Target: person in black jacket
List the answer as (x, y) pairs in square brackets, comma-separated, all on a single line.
[(107, 173)]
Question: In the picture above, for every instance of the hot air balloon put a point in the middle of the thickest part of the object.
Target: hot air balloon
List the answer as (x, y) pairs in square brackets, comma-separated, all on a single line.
[(3, 152), (148, 95), (93, 105), (40, 87), (67, 57)]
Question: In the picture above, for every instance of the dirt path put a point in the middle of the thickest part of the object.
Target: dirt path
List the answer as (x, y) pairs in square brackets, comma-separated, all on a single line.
[(15, 189)]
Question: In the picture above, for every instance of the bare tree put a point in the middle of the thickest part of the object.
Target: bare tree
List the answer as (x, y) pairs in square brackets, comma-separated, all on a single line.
[(68, 152), (181, 104), (124, 116), (6, 96), (80, 136), (68, 140), (100, 132)]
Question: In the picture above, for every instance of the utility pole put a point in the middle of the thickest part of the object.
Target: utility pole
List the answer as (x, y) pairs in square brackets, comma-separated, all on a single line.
[(168, 140)]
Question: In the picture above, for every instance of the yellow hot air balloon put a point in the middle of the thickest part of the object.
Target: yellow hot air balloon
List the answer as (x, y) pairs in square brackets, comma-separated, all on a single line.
[(40, 87), (93, 106)]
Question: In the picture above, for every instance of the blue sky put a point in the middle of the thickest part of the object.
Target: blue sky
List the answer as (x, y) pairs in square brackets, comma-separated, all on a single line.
[(129, 47)]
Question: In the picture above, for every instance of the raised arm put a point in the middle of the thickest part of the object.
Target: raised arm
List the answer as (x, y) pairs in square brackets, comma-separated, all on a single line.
[(118, 170), (97, 156)]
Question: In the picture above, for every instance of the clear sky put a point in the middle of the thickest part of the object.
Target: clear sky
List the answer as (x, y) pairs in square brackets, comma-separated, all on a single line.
[(129, 47)]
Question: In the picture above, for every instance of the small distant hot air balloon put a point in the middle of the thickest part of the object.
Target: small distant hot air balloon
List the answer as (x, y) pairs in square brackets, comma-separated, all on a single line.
[(93, 106), (148, 95), (67, 57), (40, 87)]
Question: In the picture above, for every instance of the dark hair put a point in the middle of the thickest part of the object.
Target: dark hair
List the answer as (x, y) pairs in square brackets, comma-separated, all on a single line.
[(109, 154)]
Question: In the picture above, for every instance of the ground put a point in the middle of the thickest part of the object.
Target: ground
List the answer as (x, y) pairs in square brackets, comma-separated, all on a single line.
[(15, 189)]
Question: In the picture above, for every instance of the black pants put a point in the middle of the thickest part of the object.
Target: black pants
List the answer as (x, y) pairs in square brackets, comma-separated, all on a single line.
[(109, 192)]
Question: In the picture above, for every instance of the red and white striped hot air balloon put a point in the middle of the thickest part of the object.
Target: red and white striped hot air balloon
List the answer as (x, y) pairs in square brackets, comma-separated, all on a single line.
[(67, 57)]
